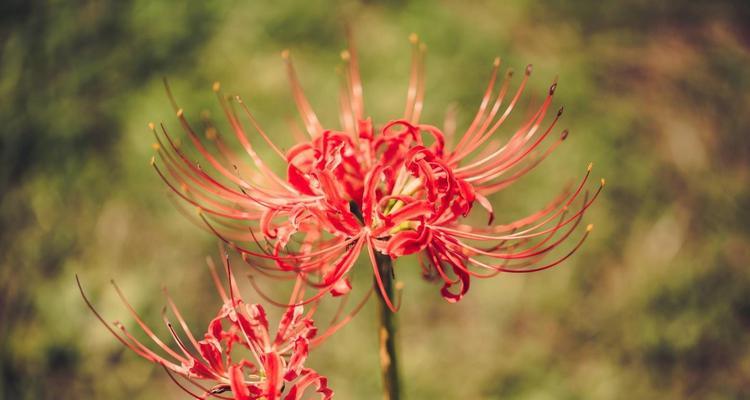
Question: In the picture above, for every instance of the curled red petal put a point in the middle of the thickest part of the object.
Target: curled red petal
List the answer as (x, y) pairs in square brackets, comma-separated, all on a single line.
[(342, 287), (237, 383)]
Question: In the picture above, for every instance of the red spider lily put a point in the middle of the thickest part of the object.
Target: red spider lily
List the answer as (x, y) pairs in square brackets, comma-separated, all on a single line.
[(397, 189), (277, 366)]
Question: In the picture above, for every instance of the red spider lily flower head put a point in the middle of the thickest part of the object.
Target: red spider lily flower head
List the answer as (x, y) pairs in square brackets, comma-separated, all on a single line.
[(398, 188), (275, 366)]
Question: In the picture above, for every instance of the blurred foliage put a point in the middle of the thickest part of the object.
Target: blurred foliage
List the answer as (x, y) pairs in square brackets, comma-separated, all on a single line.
[(656, 305)]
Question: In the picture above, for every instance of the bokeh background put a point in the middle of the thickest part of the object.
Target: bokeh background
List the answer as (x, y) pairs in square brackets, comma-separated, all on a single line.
[(657, 94)]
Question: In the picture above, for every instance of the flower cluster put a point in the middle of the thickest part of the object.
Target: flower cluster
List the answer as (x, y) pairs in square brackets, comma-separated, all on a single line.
[(395, 189), (237, 353)]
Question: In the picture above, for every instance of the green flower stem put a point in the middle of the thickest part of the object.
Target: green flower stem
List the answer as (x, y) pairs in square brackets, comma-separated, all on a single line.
[(387, 331)]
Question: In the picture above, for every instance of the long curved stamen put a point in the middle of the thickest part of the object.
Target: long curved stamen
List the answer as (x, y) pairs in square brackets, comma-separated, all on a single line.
[(525, 233), (98, 316), (312, 124), (145, 327), (534, 250), (419, 100), (411, 93), (472, 146), (345, 263), (355, 82), (184, 389), (239, 133), (180, 319), (335, 326), (210, 181), (589, 228), (379, 279), (520, 139), (277, 257), (347, 118), (257, 127), (481, 111), (235, 124), (502, 184)]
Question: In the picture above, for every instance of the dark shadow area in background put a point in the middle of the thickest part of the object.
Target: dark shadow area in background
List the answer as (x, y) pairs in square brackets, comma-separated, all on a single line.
[(66, 67)]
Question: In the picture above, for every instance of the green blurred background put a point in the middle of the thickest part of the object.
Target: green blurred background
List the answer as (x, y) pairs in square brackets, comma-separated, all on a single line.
[(657, 94)]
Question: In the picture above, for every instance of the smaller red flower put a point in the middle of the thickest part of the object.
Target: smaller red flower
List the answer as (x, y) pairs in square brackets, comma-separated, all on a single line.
[(275, 368)]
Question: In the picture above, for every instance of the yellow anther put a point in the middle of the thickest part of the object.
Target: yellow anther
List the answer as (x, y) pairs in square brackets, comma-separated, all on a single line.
[(216, 86)]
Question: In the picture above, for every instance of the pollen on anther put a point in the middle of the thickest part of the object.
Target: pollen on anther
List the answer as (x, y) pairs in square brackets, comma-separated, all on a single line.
[(400, 285), (216, 86), (604, 181), (155, 146), (590, 227), (496, 62), (180, 112), (211, 133), (345, 55), (285, 54), (151, 126), (413, 38), (591, 165)]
